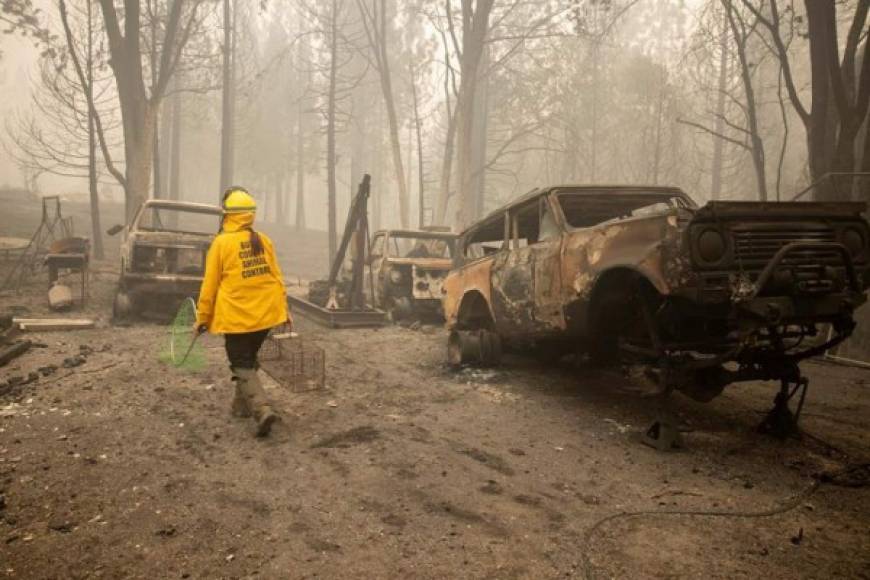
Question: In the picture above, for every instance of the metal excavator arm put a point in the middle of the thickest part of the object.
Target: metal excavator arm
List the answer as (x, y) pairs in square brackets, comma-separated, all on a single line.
[(356, 232)]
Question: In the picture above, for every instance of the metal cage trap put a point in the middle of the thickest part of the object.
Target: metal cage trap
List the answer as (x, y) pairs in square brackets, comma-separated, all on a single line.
[(292, 362)]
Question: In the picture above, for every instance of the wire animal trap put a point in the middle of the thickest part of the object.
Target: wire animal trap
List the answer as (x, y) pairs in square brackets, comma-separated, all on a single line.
[(292, 362)]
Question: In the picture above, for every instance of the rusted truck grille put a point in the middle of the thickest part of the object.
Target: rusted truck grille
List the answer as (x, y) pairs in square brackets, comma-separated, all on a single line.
[(427, 283), (755, 245)]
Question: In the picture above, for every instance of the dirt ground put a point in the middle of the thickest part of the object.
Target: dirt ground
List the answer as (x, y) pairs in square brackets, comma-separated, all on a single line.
[(118, 466)]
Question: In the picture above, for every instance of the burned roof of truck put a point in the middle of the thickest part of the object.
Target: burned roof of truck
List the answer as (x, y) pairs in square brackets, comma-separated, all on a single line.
[(183, 206), (612, 189), (435, 235)]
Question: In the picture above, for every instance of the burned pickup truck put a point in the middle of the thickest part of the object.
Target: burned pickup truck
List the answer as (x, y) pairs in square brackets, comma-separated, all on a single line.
[(706, 296), (408, 269), (163, 256)]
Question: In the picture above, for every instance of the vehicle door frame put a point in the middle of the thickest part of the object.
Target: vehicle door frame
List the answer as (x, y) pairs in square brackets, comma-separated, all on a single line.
[(376, 264), (472, 273), (512, 278), (547, 266)]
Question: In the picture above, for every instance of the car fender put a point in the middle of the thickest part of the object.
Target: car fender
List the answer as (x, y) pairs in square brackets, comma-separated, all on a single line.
[(475, 277)]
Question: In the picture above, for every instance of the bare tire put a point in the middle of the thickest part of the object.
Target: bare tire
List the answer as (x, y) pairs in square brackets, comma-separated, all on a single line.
[(473, 347), (400, 308), (620, 320), (490, 348), (122, 306)]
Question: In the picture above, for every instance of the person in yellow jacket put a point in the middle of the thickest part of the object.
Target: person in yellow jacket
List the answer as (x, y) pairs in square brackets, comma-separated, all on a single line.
[(242, 297)]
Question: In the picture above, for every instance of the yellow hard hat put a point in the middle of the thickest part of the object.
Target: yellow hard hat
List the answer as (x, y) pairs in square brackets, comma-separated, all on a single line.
[(238, 200)]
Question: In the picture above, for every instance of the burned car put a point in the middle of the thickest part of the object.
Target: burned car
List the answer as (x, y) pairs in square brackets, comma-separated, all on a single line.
[(163, 256), (408, 270), (706, 296)]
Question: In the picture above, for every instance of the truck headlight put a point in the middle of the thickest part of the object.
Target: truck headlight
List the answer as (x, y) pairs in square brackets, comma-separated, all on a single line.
[(853, 239), (395, 276), (712, 246)]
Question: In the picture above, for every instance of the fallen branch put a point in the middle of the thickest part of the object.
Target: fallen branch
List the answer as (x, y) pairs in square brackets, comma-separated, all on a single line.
[(14, 351)]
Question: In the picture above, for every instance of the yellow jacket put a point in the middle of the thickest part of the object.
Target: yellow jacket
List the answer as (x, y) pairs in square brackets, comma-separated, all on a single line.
[(241, 292)]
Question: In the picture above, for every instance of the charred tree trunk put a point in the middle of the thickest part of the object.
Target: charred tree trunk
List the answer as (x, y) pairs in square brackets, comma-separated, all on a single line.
[(162, 152), (375, 23), (228, 97), (465, 120), (865, 155), (96, 228), (139, 127), (657, 147), (840, 92), (377, 196), (593, 142), (301, 128), (440, 210), (300, 172), (446, 166), (175, 148), (330, 130), (281, 218), (479, 137), (157, 191), (138, 110), (398, 166), (162, 149), (419, 131), (756, 148), (300, 199), (719, 144), (360, 141), (475, 26)]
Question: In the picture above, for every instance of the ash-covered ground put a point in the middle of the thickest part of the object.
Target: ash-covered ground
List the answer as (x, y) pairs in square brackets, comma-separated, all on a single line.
[(117, 465)]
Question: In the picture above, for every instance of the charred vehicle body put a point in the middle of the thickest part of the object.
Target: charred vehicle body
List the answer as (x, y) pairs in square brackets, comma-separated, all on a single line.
[(408, 270), (163, 255), (706, 296)]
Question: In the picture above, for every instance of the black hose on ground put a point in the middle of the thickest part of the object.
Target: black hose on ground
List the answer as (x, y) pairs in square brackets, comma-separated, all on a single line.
[(852, 475)]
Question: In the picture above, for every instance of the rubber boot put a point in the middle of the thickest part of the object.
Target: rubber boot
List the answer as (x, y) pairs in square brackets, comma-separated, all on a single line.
[(240, 403), (252, 389)]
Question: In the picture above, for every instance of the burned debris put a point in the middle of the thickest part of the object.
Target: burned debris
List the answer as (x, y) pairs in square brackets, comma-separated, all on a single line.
[(10, 347)]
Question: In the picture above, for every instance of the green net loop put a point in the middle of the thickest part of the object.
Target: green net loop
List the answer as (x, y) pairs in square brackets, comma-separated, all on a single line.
[(182, 350)]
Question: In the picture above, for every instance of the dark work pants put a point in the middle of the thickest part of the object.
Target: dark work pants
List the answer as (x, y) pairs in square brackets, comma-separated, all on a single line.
[(242, 348)]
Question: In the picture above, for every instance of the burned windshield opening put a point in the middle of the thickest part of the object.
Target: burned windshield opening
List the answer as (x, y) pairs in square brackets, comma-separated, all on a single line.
[(587, 210), (487, 239), (410, 246), (177, 220)]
